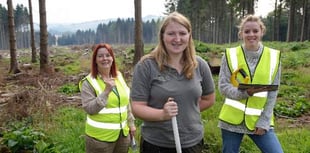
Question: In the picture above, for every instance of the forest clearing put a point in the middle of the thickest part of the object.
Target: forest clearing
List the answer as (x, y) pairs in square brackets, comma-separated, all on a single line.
[(40, 101), (46, 110)]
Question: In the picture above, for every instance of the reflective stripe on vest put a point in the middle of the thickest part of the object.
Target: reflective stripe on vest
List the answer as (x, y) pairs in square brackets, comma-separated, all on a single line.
[(109, 121), (250, 109), (106, 125), (95, 85), (238, 105), (113, 110)]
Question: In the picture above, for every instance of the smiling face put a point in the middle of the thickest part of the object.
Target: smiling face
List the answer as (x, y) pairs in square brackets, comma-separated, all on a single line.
[(251, 35), (104, 59), (176, 38)]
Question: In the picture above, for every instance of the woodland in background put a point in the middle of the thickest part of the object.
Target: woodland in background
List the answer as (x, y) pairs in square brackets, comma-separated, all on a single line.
[(213, 21), (40, 99)]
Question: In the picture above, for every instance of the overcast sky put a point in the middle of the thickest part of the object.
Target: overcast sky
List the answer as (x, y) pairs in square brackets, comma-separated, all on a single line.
[(76, 11)]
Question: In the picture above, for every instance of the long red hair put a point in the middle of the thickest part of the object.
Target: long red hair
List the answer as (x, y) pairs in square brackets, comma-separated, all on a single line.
[(94, 67)]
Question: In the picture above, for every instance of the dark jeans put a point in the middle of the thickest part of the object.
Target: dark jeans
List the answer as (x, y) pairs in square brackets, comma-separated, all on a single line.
[(146, 147)]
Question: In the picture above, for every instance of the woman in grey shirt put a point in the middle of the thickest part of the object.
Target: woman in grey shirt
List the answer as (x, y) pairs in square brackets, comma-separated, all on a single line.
[(172, 81)]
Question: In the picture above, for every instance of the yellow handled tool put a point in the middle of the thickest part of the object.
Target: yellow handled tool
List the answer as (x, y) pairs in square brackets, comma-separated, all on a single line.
[(233, 79)]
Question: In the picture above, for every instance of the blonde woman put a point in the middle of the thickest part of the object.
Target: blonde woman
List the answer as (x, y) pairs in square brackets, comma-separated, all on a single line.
[(172, 81), (250, 111)]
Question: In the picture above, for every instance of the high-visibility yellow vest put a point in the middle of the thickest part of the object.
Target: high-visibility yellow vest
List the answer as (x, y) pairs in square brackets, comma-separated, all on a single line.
[(107, 124), (250, 109)]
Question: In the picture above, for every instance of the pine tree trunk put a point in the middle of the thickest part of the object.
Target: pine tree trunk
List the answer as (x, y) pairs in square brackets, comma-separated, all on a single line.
[(33, 47), (291, 21), (14, 65), (44, 64), (138, 32)]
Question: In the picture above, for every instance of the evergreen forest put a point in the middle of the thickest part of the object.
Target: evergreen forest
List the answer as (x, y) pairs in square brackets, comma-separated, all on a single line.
[(40, 103), (213, 21)]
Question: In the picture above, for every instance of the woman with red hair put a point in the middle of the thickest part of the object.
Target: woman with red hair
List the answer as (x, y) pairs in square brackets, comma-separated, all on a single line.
[(105, 98)]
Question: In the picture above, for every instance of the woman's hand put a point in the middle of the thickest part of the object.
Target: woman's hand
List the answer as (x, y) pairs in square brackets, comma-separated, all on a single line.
[(251, 91), (132, 131), (109, 84), (259, 131), (147, 113), (170, 108)]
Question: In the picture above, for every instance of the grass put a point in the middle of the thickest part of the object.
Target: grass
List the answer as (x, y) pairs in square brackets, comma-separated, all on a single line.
[(67, 131), (293, 138), (65, 126)]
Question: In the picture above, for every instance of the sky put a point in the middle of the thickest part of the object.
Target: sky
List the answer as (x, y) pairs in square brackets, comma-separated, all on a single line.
[(264, 7), (76, 11)]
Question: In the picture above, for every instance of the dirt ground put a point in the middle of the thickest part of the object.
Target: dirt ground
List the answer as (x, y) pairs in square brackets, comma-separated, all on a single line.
[(28, 92)]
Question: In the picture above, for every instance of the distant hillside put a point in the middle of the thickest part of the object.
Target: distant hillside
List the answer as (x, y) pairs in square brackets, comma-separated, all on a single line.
[(73, 27)]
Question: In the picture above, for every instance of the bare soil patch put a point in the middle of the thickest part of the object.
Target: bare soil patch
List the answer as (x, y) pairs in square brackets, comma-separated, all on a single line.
[(27, 93)]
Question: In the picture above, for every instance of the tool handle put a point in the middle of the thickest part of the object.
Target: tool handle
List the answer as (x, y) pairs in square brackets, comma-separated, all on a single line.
[(176, 134), (133, 144)]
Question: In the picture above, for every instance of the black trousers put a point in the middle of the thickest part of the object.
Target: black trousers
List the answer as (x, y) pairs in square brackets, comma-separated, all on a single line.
[(146, 147)]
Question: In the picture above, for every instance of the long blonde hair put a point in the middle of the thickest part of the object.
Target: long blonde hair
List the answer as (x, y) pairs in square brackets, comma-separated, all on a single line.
[(160, 53)]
